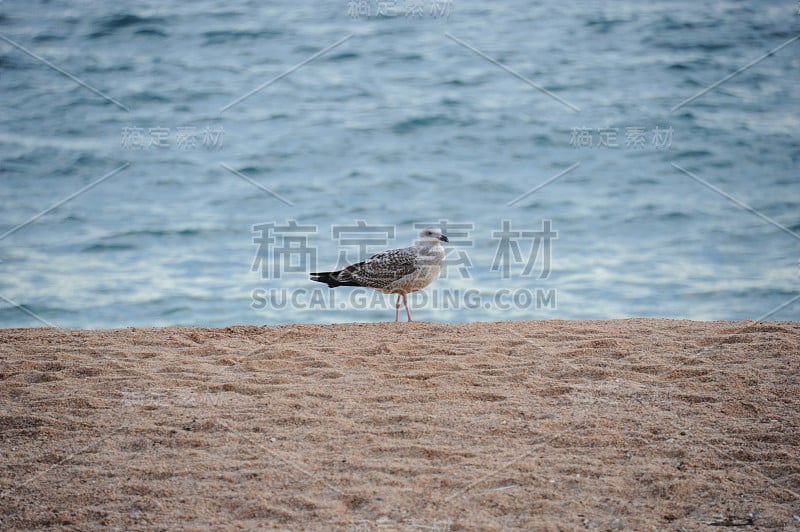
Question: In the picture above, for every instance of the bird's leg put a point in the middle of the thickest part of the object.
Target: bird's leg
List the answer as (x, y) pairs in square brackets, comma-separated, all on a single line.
[(397, 309), (408, 312)]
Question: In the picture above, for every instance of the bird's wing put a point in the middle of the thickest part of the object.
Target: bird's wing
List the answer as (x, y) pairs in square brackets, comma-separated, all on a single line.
[(381, 269)]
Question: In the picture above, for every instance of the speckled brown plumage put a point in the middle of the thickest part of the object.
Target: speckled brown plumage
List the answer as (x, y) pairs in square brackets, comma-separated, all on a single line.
[(396, 271)]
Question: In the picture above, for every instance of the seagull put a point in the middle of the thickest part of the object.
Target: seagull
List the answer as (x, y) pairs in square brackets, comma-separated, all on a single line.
[(395, 271)]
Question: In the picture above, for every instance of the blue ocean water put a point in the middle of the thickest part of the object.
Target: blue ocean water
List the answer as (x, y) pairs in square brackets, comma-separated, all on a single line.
[(415, 112)]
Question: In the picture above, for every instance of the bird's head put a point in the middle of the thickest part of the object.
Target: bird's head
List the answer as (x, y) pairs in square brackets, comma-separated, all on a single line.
[(432, 235)]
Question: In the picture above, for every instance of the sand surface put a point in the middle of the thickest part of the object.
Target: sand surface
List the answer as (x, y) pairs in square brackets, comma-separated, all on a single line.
[(634, 424)]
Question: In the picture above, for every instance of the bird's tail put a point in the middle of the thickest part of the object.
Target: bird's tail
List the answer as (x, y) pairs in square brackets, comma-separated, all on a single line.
[(331, 279)]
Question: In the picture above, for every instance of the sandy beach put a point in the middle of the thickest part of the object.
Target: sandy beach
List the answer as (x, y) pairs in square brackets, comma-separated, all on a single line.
[(636, 424)]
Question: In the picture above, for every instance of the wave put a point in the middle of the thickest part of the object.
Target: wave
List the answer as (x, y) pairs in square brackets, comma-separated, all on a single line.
[(226, 36), (104, 248), (412, 124), (110, 25), (156, 233)]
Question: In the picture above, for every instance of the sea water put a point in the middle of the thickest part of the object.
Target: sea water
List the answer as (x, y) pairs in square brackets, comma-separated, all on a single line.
[(190, 163)]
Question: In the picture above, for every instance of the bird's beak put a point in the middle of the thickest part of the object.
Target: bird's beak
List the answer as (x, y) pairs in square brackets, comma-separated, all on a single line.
[(444, 238)]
